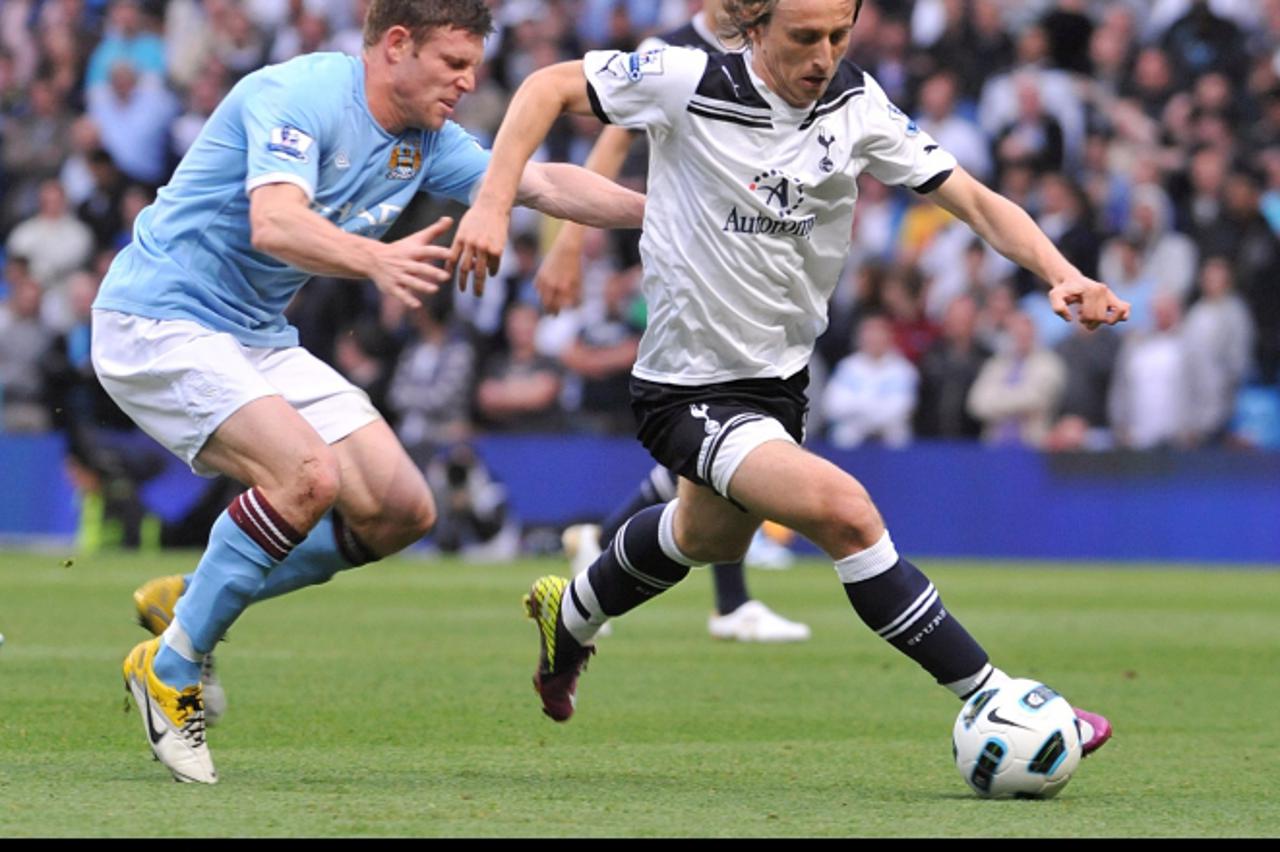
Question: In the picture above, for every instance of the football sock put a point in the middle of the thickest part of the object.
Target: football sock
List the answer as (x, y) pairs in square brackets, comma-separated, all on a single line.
[(330, 547), (987, 676), (899, 603), (658, 487), (246, 542), (730, 580), (642, 562)]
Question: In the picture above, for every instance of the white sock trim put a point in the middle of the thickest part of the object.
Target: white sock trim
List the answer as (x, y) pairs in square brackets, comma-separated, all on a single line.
[(177, 640), (582, 629), (872, 562), (986, 677), (667, 536)]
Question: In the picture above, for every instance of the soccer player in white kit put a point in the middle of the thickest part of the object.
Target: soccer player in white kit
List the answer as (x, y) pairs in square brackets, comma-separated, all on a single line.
[(737, 615), (300, 170), (753, 163)]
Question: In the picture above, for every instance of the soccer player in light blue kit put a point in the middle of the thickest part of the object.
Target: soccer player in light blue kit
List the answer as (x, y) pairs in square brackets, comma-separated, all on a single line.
[(298, 172)]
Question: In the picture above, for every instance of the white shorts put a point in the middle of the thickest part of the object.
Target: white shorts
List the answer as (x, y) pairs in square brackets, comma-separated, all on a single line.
[(180, 381)]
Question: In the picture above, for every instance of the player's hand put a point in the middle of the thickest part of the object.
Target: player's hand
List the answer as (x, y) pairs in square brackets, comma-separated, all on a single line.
[(405, 269), (1095, 303), (559, 278), (478, 245)]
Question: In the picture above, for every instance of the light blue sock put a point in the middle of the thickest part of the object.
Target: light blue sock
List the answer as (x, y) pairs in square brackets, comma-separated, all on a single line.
[(315, 560), (246, 542)]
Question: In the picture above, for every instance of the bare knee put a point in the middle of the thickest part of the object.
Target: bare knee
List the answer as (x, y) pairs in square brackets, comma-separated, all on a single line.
[(847, 522), (395, 525), (313, 488)]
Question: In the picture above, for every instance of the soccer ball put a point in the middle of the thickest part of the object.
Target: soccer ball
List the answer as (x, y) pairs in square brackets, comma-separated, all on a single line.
[(1019, 739)]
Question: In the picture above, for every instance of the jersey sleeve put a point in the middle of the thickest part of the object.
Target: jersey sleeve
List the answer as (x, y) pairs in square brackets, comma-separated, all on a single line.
[(896, 150), (456, 164), (643, 89), (283, 127)]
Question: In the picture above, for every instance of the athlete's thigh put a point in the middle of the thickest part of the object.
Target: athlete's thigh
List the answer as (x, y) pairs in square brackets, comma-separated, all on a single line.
[(710, 528), (198, 393), (790, 485), (377, 473), (264, 443)]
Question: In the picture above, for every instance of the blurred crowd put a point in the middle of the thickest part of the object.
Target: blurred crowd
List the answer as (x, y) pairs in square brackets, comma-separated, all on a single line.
[(1143, 137)]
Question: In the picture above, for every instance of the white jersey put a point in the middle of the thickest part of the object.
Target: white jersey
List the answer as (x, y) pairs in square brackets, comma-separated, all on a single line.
[(750, 203)]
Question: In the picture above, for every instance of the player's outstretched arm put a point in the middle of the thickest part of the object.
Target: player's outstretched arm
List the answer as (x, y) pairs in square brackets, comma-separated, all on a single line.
[(482, 234), (570, 192), (284, 226), (559, 278), (1014, 234)]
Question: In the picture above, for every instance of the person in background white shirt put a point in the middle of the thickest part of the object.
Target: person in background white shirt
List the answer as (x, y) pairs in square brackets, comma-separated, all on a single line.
[(871, 393)]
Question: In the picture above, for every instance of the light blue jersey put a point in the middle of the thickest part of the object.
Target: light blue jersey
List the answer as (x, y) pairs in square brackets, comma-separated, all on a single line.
[(304, 122)]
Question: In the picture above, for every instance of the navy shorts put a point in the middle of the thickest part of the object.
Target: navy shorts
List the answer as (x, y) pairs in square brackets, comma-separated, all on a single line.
[(684, 428)]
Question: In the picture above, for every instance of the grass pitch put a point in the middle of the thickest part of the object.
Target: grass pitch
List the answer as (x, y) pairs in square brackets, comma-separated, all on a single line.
[(396, 701)]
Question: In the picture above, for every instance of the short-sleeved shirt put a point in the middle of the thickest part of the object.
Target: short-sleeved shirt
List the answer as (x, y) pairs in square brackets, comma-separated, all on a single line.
[(750, 203), (304, 122)]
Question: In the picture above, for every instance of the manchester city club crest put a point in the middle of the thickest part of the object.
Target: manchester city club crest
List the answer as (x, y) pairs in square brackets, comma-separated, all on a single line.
[(406, 159)]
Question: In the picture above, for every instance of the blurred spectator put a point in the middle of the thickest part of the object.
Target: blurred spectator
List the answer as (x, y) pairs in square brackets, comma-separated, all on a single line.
[(472, 506), (1151, 403), (54, 243), (100, 210), (1034, 137), (948, 371), (206, 91), (1199, 211), (133, 115), (1017, 391), (431, 387), (24, 343), (1152, 83), (1165, 257), (77, 174), (132, 202), (1065, 217), (1269, 203), (237, 44), (959, 135), (1006, 101), (366, 355), (1069, 28), (872, 393), (306, 33), (1218, 335), (76, 400), (966, 36), (35, 146), (600, 358), (1245, 236), (128, 41), (1090, 359), (1201, 41), (520, 391), (902, 298)]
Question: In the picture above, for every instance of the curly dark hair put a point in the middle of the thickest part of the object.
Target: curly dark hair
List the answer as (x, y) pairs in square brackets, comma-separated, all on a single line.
[(420, 17), (742, 16)]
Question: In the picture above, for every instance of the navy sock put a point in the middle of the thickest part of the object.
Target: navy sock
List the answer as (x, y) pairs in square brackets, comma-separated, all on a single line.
[(730, 580), (658, 487), (642, 562), (903, 608)]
